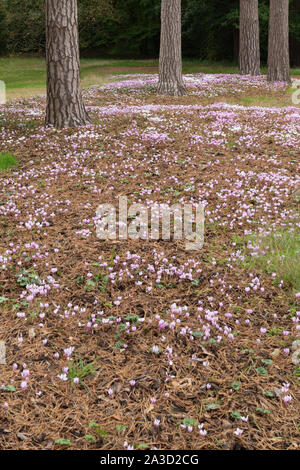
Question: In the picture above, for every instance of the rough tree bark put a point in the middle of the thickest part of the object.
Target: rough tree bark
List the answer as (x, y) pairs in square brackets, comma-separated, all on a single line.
[(249, 38), (65, 107), (170, 59), (279, 54)]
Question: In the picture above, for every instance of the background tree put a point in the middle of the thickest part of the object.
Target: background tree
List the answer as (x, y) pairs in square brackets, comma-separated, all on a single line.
[(294, 27), (64, 96), (170, 56), (249, 54), (3, 29), (279, 55), (131, 28), (26, 26)]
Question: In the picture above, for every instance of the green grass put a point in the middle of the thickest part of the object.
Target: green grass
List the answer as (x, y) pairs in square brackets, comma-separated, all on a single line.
[(81, 370), (7, 161), (280, 253), (265, 100), (25, 76), (195, 66)]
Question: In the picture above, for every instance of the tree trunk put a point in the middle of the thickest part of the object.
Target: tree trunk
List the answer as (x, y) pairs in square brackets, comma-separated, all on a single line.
[(170, 59), (249, 38), (64, 96), (278, 55)]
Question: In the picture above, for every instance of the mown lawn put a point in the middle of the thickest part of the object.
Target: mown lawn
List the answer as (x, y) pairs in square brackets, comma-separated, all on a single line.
[(27, 76)]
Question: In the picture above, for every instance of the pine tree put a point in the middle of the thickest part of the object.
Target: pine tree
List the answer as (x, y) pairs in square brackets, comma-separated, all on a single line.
[(65, 107), (170, 59), (249, 38), (278, 54), (3, 29)]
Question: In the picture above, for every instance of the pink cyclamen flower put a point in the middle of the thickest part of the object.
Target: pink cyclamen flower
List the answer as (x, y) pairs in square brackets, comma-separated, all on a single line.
[(287, 398)]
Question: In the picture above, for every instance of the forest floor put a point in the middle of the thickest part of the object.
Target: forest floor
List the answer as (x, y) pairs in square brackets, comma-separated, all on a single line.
[(120, 344)]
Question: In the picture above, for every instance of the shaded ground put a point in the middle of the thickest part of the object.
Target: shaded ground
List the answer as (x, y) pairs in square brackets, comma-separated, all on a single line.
[(172, 349)]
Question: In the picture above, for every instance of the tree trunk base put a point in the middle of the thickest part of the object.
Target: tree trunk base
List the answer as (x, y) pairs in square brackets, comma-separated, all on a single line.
[(61, 122), (253, 72), (171, 88), (279, 76)]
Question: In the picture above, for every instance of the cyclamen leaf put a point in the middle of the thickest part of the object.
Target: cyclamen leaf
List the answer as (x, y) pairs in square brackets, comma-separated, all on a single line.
[(235, 385), (262, 371), (63, 442), (236, 415), (262, 410), (267, 361), (212, 406), (189, 422)]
